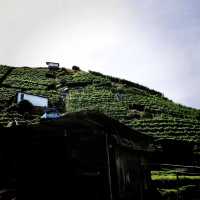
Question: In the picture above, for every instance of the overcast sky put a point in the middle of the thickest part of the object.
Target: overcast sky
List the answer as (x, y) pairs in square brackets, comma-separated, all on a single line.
[(152, 42)]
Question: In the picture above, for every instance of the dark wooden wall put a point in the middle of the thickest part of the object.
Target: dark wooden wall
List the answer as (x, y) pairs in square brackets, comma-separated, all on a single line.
[(59, 163)]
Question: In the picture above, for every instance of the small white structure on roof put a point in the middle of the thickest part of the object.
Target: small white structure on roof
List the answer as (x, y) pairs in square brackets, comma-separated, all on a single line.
[(53, 65), (34, 99)]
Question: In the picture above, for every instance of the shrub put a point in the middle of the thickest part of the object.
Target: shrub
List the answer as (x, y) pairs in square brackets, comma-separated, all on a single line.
[(52, 86), (198, 116), (50, 75), (76, 68), (25, 106)]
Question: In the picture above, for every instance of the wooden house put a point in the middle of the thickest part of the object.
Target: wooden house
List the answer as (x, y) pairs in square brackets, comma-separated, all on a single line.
[(84, 155)]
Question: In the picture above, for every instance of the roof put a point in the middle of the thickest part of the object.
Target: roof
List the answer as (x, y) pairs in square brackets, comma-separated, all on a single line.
[(51, 113), (94, 121), (89, 123), (32, 94), (52, 64)]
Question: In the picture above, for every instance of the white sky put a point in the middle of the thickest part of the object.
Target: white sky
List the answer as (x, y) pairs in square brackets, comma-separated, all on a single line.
[(152, 42)]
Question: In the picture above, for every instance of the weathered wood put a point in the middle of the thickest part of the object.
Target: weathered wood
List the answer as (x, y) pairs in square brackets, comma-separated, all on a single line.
[(72, 158)]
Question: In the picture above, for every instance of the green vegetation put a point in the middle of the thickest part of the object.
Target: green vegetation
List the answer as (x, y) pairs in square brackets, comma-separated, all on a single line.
[(96, 98), (7, 95), (151, 114), (28, 78), (134, 105), (3, 70), (170, 186), (171, 175), (183, 129), (81, 78)]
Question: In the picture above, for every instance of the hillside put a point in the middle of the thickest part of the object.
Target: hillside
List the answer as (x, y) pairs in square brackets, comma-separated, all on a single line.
[(134, 105)]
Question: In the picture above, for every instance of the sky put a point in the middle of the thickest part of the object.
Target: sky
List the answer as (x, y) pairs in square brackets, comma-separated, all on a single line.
[(155, 43)]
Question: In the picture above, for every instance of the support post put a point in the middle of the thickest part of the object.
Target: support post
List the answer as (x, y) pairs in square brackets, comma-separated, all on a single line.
[(108, 167)]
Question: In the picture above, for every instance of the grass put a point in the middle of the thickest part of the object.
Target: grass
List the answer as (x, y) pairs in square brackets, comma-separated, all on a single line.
[(169, 187), (171, 175)]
